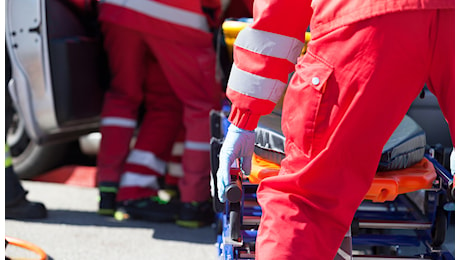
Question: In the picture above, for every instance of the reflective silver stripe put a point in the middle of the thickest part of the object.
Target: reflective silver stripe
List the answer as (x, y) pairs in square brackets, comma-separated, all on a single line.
[(343, 254), (198, 146), (345, 251), (178, 149), (118, 121), (132, 179), (175, 169), (147, 159), (269, 44), (165, 12), (255, 86)]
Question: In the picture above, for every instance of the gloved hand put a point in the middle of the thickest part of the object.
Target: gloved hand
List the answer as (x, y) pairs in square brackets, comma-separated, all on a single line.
[(238, 143)]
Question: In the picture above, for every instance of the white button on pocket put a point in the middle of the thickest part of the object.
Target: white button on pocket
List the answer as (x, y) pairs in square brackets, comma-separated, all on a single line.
[(315, 81)]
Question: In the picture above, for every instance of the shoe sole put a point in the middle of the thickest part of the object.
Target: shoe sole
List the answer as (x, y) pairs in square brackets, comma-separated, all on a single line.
[(106, 212), (26, 213)]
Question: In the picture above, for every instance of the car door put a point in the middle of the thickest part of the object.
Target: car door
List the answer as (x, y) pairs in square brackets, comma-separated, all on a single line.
[(58, 67)]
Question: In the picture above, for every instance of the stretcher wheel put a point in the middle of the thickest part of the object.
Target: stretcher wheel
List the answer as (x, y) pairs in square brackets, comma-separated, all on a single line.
[(439, 229)]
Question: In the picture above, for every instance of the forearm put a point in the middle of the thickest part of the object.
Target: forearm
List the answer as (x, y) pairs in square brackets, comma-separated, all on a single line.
[(264, 54)]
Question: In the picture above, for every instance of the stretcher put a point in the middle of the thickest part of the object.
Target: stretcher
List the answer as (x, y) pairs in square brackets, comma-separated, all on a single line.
[(390, 222)]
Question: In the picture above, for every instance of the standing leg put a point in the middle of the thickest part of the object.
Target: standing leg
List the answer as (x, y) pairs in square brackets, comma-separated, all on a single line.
[(191, 73), (336, 129), (161, 124), (16, 204), (126, 54), (146, 165)]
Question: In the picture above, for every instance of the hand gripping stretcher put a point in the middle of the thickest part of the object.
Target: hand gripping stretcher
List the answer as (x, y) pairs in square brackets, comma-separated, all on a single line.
[(389, 223)]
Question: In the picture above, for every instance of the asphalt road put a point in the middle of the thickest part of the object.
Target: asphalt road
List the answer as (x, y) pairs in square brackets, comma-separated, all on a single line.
[(74, 231)]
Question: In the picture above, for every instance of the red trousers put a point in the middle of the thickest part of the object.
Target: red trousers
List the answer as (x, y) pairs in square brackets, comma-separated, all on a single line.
[(347, 96), (176, 84)]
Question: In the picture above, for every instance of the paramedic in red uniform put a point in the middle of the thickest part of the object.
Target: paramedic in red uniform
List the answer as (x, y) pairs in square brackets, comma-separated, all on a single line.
[(160, 55), (366, 62)]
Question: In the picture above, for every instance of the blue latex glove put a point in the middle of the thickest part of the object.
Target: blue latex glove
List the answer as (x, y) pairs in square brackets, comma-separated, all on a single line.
[(238, 143)]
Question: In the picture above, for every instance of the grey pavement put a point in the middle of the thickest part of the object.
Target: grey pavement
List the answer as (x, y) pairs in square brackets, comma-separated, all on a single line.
[(74, 231)]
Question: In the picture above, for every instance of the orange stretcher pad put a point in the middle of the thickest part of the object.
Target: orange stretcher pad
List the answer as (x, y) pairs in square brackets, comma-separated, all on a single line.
[(386, 185)]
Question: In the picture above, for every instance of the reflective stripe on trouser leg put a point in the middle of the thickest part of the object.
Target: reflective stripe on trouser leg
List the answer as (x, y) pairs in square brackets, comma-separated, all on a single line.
[(194, 185), (137, 186), (174, 168), (140, 179), (114, 148), (335, 130)]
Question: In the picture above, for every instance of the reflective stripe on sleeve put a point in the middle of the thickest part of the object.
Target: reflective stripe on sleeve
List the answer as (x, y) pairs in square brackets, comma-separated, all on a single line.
[(197, 146), (132, 179), (269, 44), (164, 12), (118, 121), (255, 86), (147, 159)]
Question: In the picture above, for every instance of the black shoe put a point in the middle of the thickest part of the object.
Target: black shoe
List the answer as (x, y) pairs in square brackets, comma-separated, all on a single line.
[(196, 214), (150, 209), (24, 209), (107, 198), (107, 204)]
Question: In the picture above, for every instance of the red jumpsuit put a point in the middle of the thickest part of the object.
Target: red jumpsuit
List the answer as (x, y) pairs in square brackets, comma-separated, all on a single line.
[(366, 62), (161, 55)]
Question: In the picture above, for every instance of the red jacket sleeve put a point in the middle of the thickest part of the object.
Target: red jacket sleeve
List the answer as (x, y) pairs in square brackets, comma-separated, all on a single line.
[(264, 54)]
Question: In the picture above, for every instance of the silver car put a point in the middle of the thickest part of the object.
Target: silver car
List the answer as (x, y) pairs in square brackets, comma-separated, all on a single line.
[(56, 75)]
